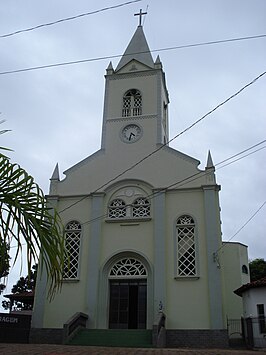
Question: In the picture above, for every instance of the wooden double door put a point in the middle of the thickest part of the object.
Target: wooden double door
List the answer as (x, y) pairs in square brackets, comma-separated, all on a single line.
[(128, 304)]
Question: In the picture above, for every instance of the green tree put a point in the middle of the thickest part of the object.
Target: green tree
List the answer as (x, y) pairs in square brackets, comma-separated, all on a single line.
[(4, 263), (24, 284), (25, 218), (257, 269)]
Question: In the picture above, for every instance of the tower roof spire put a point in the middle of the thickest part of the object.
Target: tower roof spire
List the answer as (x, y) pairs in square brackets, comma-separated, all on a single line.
[(137, 49)]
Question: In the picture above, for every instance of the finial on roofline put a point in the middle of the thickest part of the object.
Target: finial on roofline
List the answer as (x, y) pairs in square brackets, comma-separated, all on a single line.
[(140, 14), (55, 175), (209, 161)]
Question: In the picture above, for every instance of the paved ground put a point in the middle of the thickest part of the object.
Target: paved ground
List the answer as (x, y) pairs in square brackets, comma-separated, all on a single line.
[(39, 349)]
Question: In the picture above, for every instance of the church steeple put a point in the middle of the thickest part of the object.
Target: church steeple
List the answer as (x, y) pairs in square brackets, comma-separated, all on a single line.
[(137, 49), (136, 100)]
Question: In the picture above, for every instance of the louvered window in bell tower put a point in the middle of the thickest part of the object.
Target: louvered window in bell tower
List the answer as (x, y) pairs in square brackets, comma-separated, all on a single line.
[(132, 103)]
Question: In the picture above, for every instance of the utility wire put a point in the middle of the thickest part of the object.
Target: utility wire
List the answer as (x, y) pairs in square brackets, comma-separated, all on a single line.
[(145, 15), (244, 156), (179, 183), (242, 227), (183, 182), (243, 151), (68, 19), (119, 55), (163, 145)]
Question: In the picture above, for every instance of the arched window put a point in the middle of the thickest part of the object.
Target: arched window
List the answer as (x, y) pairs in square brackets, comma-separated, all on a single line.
[(244, 269), (128, 267), (186, 250), (117, 209), (141, 207), (132, 103), (72, 244)]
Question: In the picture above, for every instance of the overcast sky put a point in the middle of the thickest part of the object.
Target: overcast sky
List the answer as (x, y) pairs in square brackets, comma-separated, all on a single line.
[(55, 114)]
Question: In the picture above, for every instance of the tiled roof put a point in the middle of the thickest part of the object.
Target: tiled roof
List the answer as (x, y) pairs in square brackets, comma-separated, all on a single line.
[(21, 296), (254, 284)]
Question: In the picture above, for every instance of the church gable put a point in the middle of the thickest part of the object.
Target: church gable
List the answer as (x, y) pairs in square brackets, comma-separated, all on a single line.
[(132, 67)]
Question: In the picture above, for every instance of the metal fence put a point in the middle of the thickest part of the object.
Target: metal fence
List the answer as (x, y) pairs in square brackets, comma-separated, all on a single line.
[(254, 330)]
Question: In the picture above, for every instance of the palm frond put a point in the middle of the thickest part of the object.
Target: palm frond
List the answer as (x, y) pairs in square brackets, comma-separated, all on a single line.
[(25, 216)]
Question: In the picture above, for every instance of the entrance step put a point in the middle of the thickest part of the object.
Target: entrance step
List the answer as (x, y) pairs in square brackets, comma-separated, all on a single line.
[(135, 338)]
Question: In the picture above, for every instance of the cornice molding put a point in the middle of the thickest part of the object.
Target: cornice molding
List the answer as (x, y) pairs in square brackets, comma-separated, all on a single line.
[(131, 118)]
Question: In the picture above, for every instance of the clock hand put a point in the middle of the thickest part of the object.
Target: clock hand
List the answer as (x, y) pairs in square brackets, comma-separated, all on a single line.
[(131, 135)]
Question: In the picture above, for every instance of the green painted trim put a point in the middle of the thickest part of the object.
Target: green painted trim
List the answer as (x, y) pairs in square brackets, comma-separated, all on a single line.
[(39, 299), (94, 257), (213, 240), (159, 252)]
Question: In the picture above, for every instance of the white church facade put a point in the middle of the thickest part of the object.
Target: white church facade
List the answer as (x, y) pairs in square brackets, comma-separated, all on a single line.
[(142, 224)]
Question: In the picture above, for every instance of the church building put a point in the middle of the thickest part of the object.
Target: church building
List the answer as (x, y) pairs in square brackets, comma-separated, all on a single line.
[(142, 226)]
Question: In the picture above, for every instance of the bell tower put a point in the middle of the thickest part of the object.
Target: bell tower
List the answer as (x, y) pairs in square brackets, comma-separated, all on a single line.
[(136, 100)]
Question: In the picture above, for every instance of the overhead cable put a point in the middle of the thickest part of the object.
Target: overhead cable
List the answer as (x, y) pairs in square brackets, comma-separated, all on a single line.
[(163, 145), (181, 183), (46, 66), (242, 227), (176, 184), (68, 19)]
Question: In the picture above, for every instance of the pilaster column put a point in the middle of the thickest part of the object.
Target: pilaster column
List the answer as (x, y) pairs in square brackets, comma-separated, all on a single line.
[(213, 240), (159, 252), (94, 256), (41, 286)]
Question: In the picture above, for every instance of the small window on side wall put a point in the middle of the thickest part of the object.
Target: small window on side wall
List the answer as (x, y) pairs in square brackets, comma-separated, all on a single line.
[(261, 318), (245, 269)]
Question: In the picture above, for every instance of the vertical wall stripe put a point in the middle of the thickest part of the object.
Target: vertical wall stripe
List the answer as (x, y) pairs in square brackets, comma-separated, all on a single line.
[(213, 242), (106, 101), (159, 108), (93, 257), (37, 318), (159, 252)]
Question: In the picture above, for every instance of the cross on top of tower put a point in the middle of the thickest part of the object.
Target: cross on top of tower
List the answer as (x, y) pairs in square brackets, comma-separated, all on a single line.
[(140, 14)]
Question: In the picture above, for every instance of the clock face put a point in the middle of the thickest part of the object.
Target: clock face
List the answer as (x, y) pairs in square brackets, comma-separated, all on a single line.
[(131, 133)]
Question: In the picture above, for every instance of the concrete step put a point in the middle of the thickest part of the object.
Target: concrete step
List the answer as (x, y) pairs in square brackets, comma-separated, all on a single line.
[(114, 337)]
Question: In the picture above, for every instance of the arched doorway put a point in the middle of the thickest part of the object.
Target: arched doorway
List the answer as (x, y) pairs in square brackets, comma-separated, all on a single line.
[(127, 294)]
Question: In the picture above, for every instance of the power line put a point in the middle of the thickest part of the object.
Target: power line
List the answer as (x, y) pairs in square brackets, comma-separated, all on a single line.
[(243, 151), (242, 227), (119, 55), (185, 181), (179, 183), (244, 156), (68, 19), (163, 145)]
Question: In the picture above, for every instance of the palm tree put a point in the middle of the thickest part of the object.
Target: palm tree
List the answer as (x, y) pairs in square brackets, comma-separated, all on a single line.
[(25, 218)]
